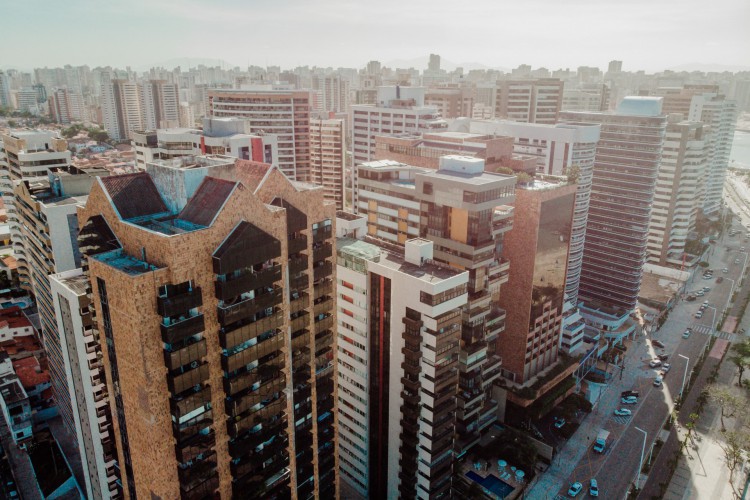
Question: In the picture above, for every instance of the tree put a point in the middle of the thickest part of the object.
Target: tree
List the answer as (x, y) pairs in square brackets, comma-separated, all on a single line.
[(741, 357), (734, 445), (727, 401)]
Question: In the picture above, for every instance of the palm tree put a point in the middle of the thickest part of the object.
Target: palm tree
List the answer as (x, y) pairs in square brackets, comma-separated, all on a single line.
[(741, 357)]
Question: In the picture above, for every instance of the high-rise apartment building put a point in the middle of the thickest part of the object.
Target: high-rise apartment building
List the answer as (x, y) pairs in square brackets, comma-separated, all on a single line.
[(333, 93), (398, 110), (532, 101), (122, 107), (328, 157), (161, 101), (627, 161), (4, 90), (27, 155), (65, 106), (538, 248), (85, 380), (46, 213), (285, 113), (586, 97), (464, 211), (399, 327), (452, 101), (679, 191), (217, 319)]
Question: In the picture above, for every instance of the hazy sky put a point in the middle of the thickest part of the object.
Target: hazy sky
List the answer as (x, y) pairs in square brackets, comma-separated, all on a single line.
[(644, 34)]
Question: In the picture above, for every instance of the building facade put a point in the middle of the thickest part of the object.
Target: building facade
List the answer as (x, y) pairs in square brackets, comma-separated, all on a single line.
[(234, 290), (328, 157), (531, 101)]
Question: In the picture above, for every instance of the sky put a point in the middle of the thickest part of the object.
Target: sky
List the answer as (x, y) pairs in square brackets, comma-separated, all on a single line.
[(649, 35)]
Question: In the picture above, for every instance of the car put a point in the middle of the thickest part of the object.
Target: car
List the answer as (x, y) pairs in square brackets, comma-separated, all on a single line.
[(574, 489), (736, 261), (654, 363), (699, 314), (593, 488), (700, 293), (657, 344), (666, 367), (719, 279), (703, 307), (626, 394), (725, 270), (623, 412), (706, 289), (687, 333), (658, 381), (742, 249), (662, 357), (691, 298), (630, 400), (559, 423)]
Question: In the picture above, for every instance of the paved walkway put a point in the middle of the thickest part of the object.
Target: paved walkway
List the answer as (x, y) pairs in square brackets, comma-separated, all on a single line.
[(686, 481)]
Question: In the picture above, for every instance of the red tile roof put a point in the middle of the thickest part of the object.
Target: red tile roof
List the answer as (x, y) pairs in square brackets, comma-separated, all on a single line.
[(134, 195), (251, 173), (14, 317), (207, 201), (30, 373)]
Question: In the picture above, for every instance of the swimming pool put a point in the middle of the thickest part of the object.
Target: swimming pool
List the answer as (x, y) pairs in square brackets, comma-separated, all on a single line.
[(491, 483), (21, 303)]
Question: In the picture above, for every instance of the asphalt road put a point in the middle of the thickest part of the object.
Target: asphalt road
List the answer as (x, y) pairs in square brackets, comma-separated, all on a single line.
[(616, 469)]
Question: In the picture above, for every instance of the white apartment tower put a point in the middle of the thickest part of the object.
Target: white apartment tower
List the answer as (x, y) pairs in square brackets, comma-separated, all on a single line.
[(122, 107), (679, 191), (328, 157), (398, 110), (160, 104)]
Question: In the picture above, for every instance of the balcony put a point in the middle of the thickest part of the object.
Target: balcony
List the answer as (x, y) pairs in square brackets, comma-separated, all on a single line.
[(252, 440), (273, 409), (192, 477), (232, 286), (321, 234), (190, 403), (182, 329), (323, 306), (233, 338), (323, 288), (247, 246), (300, 322), (186, 355), (323, 251), (174, 305), (297, 244), (322, 271), (298, 264), (299, 283), (180, 383), (325, 323), (246, 380), (253, 353), (239, 405), (298, 301), (247, 308), (198, 444)]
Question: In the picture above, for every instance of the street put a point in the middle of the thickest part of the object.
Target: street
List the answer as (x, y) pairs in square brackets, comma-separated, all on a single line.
[(616, 469)]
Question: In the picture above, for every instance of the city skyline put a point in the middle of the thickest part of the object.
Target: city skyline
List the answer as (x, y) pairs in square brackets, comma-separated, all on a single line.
[(337, 34)]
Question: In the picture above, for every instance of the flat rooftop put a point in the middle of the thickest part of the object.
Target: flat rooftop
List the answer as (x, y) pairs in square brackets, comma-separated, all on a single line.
[(77, 284), (392, 256)]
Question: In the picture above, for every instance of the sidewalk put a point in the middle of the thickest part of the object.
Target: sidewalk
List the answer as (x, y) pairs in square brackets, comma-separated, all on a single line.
[(687, 476)]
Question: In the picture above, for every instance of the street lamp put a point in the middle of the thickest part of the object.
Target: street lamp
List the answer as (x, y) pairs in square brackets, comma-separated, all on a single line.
[(684, 376), (731, 291), (640, 465)]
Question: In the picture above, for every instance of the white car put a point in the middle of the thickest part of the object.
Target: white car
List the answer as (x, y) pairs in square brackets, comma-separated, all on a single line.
[(666, 367), (574, 489), (658, 381), (654, 363), (631, 400), (623, 412), (686, 334)]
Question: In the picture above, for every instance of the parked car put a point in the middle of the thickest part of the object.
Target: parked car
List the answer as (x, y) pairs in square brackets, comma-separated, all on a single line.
[(666, 367), (657, 344), (574, 489), (654, 363), (699, 315), (706, 289), (700, 293), (626, 394), (593, 488), (658, 381), (725, 270), (663, 357), (630, 400), (686, 334), (623, 412), (559, 423), (691, 298), (736, 261)]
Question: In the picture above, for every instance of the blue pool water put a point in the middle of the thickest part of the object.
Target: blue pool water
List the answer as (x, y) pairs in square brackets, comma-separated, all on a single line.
[(491, 483), (22, 304)]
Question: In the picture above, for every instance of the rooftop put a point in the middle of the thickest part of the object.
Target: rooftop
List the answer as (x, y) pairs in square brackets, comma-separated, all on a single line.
[(11, 389), (14, 317), (78, 284), (392, 256), (125, 263), (30, 373)]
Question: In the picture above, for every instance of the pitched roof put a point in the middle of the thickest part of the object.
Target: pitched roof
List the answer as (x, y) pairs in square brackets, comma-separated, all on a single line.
[(251, 173), (133, 195), (208, 199)]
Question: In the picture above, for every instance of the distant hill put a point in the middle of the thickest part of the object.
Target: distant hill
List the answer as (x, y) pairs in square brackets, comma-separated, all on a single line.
[(710, 67)]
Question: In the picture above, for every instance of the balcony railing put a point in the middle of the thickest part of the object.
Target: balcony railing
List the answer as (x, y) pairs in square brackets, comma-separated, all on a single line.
[(323, 288), (324, 251), (322, 271), (249, 307), (189, 403), (233, 338), (250, 256), (298, 264), (297, 244), (234, 286), (182, 329), (251, 354), (179, 304), (180, 383), (323, 324), (180, 357)]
